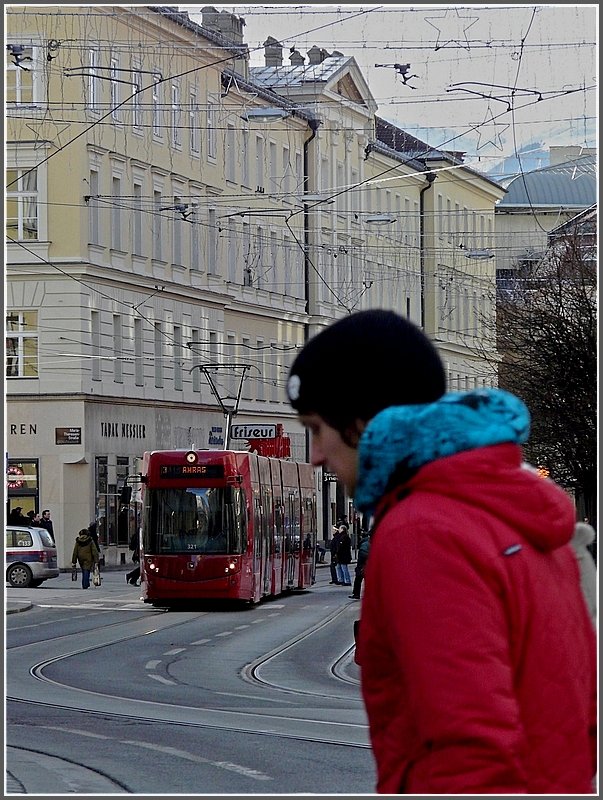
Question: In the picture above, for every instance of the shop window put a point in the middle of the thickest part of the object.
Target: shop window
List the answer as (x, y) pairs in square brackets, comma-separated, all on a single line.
[(22, 483)]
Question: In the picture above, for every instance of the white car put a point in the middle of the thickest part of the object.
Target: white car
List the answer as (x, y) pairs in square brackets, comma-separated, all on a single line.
[(31, 556)]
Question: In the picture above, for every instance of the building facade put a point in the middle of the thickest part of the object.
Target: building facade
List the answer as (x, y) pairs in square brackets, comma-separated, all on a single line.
[(179, 223)]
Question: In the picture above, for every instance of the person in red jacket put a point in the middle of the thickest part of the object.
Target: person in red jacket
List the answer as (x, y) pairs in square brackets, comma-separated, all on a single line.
[(476, 650)]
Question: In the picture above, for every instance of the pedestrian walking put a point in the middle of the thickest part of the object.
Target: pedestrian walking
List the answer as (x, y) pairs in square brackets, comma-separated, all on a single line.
[(333, 547), (85, 554), (477, 655), (344, 556), (363, 551), (134, 575), (46, 522)]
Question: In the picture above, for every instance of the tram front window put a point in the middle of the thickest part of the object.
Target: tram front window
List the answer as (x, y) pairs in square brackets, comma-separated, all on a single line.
[(194, 520)]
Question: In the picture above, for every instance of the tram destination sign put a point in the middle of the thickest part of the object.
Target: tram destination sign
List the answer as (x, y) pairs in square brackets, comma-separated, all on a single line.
[(253, 431), (191, 471)]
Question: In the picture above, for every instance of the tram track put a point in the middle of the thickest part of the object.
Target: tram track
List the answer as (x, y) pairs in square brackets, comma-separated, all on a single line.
[(284, 722)]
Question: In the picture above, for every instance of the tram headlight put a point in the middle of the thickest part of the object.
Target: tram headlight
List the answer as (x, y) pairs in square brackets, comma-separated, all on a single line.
[(231, 565)]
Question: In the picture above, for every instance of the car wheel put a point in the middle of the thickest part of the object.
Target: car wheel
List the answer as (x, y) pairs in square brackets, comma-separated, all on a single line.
[(19, 575)]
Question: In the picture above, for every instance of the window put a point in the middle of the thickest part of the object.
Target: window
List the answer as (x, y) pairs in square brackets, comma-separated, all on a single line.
[(211, 130), (214, 354), (230, 356), (274, 182), (137, 221), (245, 156), (156, 226), (259, 162), (137, 100), (117, 349), (193, 122), (177, 233), (196, 372), (158, 341), (259, 257), (21, 80), (212, 242), (287, 172), (176, 132), (232, 251), (157, 87), (116, 214), (138, 353), (93, 210), (21, 204), (195, 247), (177, 358), (95, 327), (230, 155), (245, 347), (93, 82), (261, 364), (114, 100), (22, 344)]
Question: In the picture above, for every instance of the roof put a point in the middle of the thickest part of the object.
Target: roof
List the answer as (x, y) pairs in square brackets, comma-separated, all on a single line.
[(572, 184), (287, 76)]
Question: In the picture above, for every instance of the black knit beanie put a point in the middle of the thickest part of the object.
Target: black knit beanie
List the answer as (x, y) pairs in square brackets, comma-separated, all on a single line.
[(362, 364)]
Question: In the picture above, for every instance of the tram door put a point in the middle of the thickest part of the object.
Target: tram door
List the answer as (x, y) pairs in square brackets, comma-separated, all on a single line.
[(277, 530), (265, 533)]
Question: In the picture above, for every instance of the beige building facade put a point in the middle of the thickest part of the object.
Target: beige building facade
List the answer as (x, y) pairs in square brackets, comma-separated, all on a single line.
[(168, 250)]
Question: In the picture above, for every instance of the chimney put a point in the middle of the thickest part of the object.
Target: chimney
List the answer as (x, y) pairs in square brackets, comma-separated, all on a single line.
[(296, 58), (228, 25), (317, 55), (273, 52)]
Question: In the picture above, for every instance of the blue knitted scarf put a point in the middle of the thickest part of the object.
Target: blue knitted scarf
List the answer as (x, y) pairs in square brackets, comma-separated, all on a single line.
[(404, 438)]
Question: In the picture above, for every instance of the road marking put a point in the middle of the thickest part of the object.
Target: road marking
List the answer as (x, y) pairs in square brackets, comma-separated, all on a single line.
[(227, 765), (238, 628), (201, 641), (224, 633), (162, 680), (175, 651), (152, 664)]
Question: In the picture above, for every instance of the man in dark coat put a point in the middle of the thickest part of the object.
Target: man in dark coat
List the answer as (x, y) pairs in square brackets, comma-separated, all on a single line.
[(46, 522), (334, 547)]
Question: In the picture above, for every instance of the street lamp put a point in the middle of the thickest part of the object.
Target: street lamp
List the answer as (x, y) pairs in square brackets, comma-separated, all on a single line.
[(380, 219), (479, 254), (265, 114)]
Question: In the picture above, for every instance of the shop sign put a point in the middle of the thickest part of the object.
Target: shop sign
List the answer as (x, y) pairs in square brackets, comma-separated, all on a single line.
[(252, 431), (68, 435)]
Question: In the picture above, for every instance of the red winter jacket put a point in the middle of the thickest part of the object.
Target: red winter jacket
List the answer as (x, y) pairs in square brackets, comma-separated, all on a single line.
[(478, 658)]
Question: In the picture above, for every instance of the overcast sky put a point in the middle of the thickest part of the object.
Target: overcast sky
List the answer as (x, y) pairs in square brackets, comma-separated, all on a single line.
[(488, 80)]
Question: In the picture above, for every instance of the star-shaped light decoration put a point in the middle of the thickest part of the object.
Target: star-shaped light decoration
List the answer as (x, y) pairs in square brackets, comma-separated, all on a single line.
[(490, 132), (47, 130), (456, 28)]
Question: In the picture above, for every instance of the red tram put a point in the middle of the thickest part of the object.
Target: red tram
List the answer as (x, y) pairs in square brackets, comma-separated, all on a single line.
[(225, 524)]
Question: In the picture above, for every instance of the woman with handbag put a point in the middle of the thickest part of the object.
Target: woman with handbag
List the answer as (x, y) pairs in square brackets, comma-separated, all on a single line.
[(85, 553)]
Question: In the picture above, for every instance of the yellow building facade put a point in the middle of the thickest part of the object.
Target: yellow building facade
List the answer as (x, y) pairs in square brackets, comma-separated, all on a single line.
[(168, 249)]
